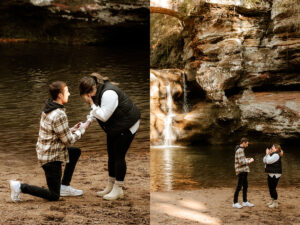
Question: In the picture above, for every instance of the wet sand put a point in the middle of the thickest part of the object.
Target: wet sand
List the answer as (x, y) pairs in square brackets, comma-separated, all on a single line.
[(213, 206), (90, 176)]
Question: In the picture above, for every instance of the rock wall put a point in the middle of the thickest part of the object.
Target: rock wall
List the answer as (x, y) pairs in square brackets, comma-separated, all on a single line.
[(75, 22), (262, 116), (246, 59), (230, 46)]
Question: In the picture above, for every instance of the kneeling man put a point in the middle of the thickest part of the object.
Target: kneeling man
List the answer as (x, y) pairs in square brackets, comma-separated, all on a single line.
[(54, 137)]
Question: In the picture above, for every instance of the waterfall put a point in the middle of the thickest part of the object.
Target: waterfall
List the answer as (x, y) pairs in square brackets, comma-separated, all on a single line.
[(168, 131), (185, 91)]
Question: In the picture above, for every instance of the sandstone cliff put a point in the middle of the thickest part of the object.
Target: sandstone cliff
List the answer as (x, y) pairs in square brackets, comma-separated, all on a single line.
[(245, 59)]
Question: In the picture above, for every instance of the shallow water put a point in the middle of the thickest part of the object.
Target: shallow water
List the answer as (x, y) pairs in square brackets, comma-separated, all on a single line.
[(26, 71), (213, 166)]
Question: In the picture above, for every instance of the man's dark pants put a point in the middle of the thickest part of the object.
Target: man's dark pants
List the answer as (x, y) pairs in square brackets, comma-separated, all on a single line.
[(53, 173), (242, 182)]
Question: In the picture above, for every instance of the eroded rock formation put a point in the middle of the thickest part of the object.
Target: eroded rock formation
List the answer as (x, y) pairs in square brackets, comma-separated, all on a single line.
[(246, 60)]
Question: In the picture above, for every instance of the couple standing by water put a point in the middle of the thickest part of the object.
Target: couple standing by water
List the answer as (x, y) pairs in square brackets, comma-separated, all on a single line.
[(273, 167), (116, 114)]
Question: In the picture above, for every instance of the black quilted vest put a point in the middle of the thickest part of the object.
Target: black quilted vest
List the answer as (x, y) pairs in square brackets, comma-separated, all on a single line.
[(275, 167), (125, 115)]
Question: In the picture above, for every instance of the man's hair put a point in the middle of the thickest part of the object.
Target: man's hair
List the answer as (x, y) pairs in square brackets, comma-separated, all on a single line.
[(244, 140), (55, 88)]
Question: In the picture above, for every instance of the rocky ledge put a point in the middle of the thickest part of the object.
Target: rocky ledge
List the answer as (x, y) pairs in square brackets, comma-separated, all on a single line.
[(260, 115), (75, 22)]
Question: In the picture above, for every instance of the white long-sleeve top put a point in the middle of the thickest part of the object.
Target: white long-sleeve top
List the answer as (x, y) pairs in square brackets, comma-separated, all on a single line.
[(270, 160), (109, 103)]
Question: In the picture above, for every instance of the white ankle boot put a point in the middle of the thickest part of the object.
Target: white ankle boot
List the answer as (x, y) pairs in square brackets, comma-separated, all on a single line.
[(274, 205), (271, 202), (116, 192), (108, 188)]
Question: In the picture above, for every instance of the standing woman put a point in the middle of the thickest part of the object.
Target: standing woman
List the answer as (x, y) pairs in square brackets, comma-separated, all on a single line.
[(273, 167), (119, 118)]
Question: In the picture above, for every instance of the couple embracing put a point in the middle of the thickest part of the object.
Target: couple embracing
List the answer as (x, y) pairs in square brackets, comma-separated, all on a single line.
[(116, 114)]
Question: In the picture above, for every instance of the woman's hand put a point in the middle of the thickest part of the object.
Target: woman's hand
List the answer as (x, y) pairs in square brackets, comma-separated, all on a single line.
[(86, 125), (89, 99), (267, 151)]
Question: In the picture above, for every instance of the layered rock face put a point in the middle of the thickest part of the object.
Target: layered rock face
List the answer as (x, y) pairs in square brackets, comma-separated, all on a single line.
[(232, 46), (75, 22), (245, 58), (262, 116)]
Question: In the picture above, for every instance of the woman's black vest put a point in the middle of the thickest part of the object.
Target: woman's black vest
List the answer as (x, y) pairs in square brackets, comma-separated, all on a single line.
[(125, 115), (274, 167)]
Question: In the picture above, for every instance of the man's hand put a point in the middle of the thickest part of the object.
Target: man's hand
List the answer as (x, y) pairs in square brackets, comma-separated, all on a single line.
[(251, 160), (75, 128)]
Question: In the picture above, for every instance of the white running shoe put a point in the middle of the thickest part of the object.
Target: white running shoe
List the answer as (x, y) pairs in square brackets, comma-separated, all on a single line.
[(108, 188), (248, 204), (69, 191), (237, 205), (116, 192), (15, 187)]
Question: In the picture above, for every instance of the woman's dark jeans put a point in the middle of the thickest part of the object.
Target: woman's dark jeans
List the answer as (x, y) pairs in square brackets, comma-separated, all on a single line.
[(117, 147), (272, 183)]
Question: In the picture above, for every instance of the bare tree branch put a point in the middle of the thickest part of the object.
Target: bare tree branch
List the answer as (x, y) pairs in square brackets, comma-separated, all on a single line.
[(169, 12)]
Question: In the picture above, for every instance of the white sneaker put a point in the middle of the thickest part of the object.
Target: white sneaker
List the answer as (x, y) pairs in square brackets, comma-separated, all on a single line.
[(15, 187), (108, 188), (69, 191), (237, 205), (116, 192), (248, 204)]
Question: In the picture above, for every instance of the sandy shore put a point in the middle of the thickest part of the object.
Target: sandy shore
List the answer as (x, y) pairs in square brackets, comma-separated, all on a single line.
[(90, 176), (213, 206)]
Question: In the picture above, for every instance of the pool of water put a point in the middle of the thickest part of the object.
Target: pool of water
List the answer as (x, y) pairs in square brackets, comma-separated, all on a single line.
[(26, 71), (188, 168)]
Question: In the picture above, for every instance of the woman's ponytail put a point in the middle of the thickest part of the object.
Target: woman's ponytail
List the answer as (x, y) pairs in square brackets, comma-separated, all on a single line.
[(278, 149), (99, 79)]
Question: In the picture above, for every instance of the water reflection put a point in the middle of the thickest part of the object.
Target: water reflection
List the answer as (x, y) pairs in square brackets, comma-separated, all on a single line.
[(213, 166), (26, 71)]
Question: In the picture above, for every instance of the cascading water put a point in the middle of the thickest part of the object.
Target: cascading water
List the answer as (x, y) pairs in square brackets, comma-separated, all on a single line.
[(185, 91), (169, 136)]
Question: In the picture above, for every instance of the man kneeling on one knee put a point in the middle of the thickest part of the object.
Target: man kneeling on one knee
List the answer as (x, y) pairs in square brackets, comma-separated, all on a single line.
[(54, 137)]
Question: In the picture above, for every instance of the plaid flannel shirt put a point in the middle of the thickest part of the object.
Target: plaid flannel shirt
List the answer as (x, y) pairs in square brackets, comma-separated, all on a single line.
[(55, 136), (241, 162)]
